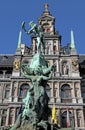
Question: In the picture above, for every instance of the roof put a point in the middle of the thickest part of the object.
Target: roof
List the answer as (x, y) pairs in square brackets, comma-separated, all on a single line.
[(82, 61), (6, 60), (46, 17), (81, 58)]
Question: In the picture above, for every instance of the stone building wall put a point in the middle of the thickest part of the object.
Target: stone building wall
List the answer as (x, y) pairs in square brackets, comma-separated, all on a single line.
[(64, 89)]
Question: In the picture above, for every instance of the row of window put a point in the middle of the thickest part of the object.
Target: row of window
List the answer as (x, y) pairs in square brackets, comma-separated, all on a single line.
[(63, 118), (10, 120), (65, 93)]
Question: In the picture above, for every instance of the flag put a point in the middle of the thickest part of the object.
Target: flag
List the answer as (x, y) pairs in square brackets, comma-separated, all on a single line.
[(54, 120), (68, 118)]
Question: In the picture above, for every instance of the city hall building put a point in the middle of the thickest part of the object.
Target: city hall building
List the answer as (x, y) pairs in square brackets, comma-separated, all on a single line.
[(66, 89)]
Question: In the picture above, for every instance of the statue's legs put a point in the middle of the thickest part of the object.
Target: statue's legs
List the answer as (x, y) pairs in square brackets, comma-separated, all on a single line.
[(43, 44), (38, 44)]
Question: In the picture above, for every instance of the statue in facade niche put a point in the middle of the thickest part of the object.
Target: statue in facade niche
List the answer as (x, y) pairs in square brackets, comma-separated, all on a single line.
[(65, 68), (36, 29)]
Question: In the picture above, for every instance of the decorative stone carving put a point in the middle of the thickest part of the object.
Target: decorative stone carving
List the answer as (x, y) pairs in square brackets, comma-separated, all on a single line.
[(16, 64), (75, 64), (65, 68)]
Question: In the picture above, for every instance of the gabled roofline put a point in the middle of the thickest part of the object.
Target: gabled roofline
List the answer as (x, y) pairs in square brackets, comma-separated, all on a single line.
[(43, 16)]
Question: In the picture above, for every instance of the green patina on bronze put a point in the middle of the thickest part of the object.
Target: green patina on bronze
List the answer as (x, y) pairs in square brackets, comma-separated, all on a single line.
[(72, 40), (37, 31), (36, 111)]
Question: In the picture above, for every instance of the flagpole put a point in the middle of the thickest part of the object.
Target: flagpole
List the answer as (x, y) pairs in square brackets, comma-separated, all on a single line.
[(54, 120), (67, 117)]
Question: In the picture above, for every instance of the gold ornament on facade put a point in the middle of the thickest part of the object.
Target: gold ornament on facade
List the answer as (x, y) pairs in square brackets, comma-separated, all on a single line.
[(75, 64), (16, 64)]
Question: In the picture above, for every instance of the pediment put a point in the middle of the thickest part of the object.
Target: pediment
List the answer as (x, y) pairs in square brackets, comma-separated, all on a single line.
[(46, 17)]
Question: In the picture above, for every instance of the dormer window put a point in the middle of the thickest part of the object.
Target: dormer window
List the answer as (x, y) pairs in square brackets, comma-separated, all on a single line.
[(48, 29)]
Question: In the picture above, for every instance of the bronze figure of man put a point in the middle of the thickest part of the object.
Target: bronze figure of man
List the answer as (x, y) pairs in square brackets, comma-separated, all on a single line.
[(36, 29)]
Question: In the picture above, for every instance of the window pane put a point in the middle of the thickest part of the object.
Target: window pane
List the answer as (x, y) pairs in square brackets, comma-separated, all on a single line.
[(11, 120), (11, 116), (66, 93), (23, 91), (4, 112), (3, 122), (7, 93)]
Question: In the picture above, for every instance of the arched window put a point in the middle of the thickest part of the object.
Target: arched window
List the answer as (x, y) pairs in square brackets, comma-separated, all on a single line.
[(23, 91), (67, 119), (66, 94)]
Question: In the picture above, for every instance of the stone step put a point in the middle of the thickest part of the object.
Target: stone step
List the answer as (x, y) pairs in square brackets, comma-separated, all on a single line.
[(66, 129)]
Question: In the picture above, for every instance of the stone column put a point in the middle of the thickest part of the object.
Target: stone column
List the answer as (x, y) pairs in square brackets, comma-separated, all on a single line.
[(3, 91), (80, 99), (10, 97), (82, 115), (51, 46), (4, 73), (59, 117), (80, 90), (7, 118), (16, 84), (52, 97), (0, 118), (73, 93), (75, 118), (56, 69), (14, 114), (1, 87), (58, 92)]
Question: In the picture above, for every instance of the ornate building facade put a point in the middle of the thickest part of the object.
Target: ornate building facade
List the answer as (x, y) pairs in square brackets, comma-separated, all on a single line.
[(66, 89)]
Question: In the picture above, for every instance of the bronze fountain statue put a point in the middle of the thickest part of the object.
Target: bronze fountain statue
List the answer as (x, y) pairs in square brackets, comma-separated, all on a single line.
[(36, 111)]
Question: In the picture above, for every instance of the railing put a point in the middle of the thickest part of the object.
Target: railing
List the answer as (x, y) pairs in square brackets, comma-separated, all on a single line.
[(5, 76), (20, 99), (66, 100), (1, 75)]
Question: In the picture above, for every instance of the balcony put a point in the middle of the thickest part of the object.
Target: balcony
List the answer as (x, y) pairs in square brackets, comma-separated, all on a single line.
[(5, 76), (66, 100)]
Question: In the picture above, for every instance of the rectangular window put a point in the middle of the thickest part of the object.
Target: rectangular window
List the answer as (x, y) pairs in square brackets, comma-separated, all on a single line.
[(17, 113), (7, 92), (79, 118), (4, 112), (3, 120), (79, 122)]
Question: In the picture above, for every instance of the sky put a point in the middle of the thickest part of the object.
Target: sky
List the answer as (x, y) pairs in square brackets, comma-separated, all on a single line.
[(69, 14)]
